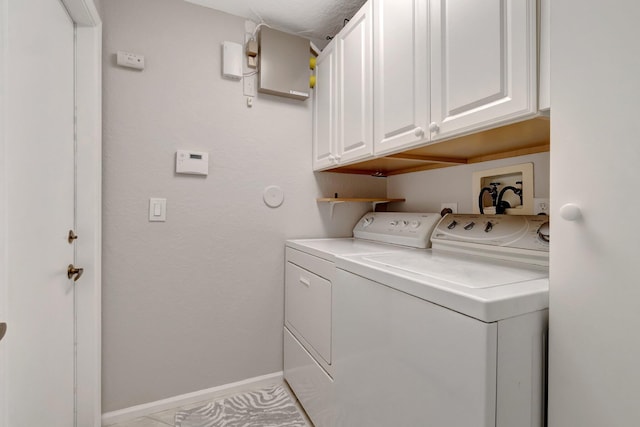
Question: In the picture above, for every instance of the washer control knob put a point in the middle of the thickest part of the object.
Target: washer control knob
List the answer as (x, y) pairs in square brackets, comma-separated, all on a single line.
[(452, 225), (469, 226), (414, 224), (488, 227), (403, 223), (393, 223), (570, 212), (367, 221)]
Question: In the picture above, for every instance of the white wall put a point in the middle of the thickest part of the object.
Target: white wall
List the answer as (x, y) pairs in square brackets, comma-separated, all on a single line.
[(424, 191), (197, 301)]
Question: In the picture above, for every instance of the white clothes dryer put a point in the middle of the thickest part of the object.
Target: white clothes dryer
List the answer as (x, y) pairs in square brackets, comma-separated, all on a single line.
[(309, 296)]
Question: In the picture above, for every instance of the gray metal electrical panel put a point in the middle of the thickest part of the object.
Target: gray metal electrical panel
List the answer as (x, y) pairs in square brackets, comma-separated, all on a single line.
[(283, 64)]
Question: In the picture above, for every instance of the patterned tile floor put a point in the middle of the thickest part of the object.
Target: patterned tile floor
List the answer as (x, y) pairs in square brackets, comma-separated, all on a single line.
[(166, 418)]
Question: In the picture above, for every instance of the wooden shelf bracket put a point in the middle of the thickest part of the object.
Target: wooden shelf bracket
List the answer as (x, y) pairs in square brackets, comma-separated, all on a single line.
[(374, 202)]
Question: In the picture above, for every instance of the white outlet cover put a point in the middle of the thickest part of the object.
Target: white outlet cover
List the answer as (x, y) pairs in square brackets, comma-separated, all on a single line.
[(451, 205), (249, 85), (273, 196), (540, 205)]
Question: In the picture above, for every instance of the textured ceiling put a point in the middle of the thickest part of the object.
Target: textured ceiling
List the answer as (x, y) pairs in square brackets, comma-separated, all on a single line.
[(313, 19)]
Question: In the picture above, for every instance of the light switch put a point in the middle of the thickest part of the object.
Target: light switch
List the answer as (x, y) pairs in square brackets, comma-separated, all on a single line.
[(157, 209)]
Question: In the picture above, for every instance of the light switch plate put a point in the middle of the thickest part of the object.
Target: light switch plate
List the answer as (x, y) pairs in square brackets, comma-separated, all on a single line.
[(157, 209)]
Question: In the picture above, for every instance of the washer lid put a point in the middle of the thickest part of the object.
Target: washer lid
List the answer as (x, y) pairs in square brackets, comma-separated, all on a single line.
[(468, 271), (484, 288), (329, 248)]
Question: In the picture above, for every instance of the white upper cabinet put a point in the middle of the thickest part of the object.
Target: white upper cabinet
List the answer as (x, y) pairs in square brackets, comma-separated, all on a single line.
[(343, 106), (544, 91), (401, 70), (483, 64), (324, 110), (404, 73), (355, 87)]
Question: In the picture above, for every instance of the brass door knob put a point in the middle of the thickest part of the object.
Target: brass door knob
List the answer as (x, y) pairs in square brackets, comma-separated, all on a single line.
[(73, 271)]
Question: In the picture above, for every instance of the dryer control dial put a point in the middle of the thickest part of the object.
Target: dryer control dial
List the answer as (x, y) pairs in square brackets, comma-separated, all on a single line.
[(366, 221)]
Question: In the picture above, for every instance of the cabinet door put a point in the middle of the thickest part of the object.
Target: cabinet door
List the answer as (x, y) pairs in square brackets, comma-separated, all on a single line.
[(401, 104), (544, 67), (355, 107), (595, 294), (324, 110), (483, 64)]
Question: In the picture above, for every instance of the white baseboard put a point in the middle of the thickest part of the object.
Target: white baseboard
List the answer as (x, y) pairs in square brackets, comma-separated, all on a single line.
[(128, 414)]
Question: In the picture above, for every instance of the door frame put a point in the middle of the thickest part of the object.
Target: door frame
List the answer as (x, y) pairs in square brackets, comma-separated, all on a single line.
[(88, 65)]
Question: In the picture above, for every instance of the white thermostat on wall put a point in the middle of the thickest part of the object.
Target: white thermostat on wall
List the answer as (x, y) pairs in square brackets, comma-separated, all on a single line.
[(130, 60), (192, 162)]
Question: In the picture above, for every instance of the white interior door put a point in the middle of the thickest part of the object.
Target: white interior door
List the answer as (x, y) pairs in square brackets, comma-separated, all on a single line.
[(39, 149)]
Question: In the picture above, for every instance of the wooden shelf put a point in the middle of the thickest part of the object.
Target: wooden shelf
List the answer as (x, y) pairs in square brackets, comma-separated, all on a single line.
[(517, 139), (355, 199), (336, 200)]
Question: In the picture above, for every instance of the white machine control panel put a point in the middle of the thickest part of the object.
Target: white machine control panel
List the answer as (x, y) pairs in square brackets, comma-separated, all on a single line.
[(515, 231), (513, 234), (400, 228)]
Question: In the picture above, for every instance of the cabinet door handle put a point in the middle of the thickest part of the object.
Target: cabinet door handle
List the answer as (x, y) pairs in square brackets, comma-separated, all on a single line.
[(305, 281), (433, 127), (418, 132), (570, 212)]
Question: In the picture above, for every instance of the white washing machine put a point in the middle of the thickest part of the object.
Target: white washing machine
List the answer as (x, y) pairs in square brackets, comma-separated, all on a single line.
[(453, 336), (309, 296)]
